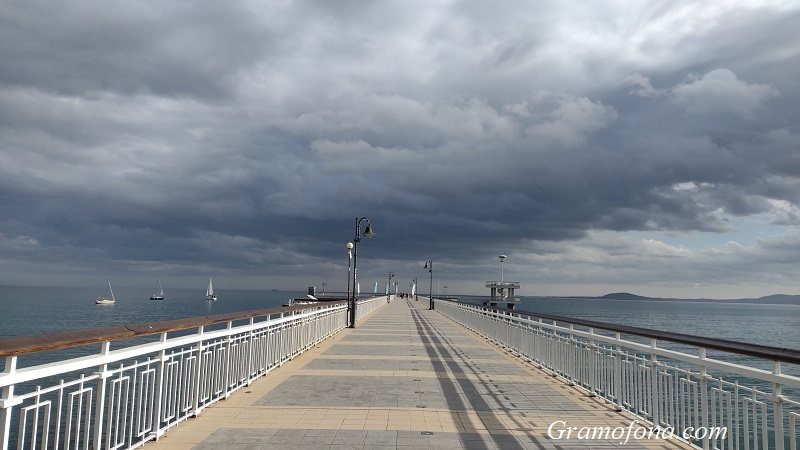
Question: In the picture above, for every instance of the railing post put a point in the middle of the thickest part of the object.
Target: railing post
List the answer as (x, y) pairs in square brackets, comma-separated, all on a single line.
[(654, 385), (250, 345), (592, 378), (618, 370), (777, 392), (227, 369), (571, 356), (198, 372), (7, 404), (101, 398), (162, 364), (704, 396)]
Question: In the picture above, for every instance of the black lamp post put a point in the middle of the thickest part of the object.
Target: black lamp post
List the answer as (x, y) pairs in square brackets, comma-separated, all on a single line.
[(429, 266), (389, 285), (349, 258), (367, 233)]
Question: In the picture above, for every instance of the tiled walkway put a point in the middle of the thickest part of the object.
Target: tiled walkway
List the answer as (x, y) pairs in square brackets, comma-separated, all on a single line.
[(404, 378)]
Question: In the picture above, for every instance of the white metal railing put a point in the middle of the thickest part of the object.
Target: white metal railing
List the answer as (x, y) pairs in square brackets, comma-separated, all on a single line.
[(122, 397), (719, 404)]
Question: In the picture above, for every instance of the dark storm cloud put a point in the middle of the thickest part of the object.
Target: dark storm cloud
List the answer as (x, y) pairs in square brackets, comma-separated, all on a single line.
[(590, 143), (86, 48)]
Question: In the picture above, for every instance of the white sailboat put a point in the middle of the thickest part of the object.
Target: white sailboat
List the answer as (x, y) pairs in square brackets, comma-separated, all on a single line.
[(160, 294), (106, 300), (210, 291)]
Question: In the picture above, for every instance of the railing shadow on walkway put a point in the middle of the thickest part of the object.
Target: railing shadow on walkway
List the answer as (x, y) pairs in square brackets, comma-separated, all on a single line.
[(436, 347)]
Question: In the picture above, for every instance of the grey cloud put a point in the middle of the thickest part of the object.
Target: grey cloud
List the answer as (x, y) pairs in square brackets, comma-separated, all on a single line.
[(720, 92)]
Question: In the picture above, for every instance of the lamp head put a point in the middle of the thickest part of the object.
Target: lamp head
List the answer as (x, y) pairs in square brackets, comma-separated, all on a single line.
[(349, 246), (368, 232), (502, 257)]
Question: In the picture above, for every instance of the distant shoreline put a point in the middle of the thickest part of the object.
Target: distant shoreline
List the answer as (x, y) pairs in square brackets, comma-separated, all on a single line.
[(777, 299)]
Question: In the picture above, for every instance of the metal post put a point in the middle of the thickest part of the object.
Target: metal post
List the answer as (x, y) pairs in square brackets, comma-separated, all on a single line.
[(704, 397), (197, 389), (7, 404), (618, 371), (101, 397), (159, 402), (429, 266), (368, 233), (778, 407), (349, 257), (654, 394), (391, 274), (355, 278)]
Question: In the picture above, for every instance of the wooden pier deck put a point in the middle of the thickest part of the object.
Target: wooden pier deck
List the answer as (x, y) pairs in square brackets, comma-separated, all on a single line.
[(405, 377)]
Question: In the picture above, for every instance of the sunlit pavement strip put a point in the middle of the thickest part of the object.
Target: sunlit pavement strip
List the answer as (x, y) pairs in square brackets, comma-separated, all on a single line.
[(405, 378)]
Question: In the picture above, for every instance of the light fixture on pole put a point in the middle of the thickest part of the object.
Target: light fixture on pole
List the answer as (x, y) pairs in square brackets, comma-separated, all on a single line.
[(367, 233), (502, 258), (389, 286), (323, 287), (429, 266), (349, 258)]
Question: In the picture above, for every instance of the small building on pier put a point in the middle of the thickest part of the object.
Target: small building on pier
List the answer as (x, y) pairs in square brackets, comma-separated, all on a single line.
[(502, 294)]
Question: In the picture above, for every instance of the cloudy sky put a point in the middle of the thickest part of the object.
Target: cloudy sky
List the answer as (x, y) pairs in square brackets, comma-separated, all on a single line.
[(613, 145)]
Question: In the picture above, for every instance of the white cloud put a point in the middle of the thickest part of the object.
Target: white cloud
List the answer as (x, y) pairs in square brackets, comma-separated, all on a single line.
[(720, 91), (570, 122)]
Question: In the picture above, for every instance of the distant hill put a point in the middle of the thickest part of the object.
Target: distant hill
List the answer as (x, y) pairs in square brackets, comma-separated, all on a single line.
[(783, 299), (625, 296), (776, 299)]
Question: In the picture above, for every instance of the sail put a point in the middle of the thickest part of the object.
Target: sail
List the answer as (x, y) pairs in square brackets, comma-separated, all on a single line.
[(210, 289), (109, 289)]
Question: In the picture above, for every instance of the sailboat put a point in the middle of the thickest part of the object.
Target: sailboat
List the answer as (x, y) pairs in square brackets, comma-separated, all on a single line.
[(210, 291), (160, 294), (105, 300)]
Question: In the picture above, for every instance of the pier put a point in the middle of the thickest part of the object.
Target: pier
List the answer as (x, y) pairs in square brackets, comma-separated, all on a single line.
[(407, 376)]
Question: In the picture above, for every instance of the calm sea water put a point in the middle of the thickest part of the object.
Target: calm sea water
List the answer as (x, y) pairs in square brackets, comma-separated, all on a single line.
[(37, 310), (773, 325)]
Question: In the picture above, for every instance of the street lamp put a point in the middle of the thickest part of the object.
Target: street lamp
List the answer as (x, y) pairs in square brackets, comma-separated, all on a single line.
[(502, 258), (323, 287), (389, 286), (367, 233), (349, 257), (414, 289), (429, 266)]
